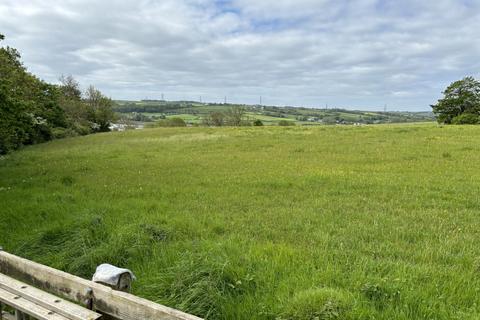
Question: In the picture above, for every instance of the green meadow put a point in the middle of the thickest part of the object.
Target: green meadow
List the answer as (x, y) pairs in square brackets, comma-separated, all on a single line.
[(328, 222)]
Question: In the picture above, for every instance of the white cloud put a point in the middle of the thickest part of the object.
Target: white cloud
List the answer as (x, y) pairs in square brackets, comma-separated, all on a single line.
[(358, 54)]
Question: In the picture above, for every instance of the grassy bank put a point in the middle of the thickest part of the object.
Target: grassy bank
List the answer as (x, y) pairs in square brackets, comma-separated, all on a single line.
[(261, 223)]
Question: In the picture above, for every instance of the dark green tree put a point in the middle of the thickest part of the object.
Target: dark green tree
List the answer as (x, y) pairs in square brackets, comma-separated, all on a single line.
[(74, 107), (258, 123), (33, 111), (29, 107), (99, 109), (460, 104)]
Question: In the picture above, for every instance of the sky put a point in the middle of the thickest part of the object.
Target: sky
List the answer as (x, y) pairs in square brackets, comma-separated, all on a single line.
[(354, 54)]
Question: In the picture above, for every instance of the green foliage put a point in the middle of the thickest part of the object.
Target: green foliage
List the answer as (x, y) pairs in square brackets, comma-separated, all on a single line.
[(172, 122), (28, 106), (285, 123), (235, 116), (460, 104), (76, 111), (214, 119), (99, 109), (201, 113), (60, 133), (466, 118), (258, 123), (33, 111)]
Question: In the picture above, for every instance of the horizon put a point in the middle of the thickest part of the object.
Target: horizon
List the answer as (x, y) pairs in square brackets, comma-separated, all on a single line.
[(305, 53), (372, 109)]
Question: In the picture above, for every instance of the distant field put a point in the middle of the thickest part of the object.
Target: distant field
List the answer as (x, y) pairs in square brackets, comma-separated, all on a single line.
[(194, 112), (338, 222), (187, 117)]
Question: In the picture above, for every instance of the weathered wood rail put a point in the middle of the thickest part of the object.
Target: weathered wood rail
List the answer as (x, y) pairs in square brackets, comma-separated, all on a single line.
[(28, 300), (94, 296)]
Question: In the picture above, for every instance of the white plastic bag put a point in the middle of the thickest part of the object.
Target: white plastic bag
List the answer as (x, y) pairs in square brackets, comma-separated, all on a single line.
[(108, 274)]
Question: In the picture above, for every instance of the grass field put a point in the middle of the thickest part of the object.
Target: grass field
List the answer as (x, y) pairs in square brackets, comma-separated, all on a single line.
[(372, 222)]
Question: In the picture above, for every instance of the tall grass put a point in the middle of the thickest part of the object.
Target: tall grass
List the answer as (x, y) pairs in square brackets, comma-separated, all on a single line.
[(278, 223)]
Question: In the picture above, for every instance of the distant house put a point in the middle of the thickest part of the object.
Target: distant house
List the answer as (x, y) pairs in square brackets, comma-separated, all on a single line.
[(117, 127)]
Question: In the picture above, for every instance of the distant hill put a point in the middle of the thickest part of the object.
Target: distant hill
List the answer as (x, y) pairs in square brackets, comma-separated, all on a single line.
[(193, 112)]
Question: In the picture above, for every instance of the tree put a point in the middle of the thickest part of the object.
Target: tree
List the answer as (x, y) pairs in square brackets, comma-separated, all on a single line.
[(33, 111), (29, 109), (72, 104), (214, 119), (234, 116), (461, 99), (70, 87), (99, 109)]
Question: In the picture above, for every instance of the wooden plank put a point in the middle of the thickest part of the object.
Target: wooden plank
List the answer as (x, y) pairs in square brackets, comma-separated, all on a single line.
[(46, 300), (117, 304), (28, 307), (7, 316)]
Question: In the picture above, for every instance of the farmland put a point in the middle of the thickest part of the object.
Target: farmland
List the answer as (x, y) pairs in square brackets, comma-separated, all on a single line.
[(193, 113), (326, 222)]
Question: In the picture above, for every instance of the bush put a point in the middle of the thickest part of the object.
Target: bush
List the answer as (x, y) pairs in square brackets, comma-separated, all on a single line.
[(258, 123), (466, 118), (285, 123), (172, 122), (59, 133), (214, 119)]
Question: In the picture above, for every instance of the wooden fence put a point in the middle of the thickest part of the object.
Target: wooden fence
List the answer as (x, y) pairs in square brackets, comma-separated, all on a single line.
[(46, 281)]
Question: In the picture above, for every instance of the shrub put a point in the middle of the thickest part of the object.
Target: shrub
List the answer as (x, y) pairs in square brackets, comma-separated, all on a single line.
[(258, 123), (172, 122), (466, 118), (214, 119), (59, 133), (285, 123)]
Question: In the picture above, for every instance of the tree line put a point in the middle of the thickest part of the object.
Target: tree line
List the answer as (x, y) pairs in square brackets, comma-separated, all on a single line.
[(154, 107), (34, 111)]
